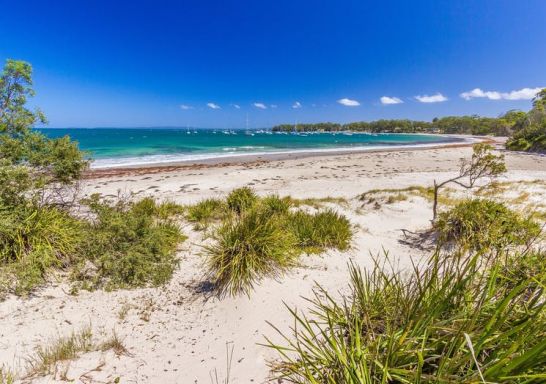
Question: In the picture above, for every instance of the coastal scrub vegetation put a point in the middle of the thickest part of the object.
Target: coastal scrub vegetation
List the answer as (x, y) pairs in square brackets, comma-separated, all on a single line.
[(49, 356), (482, 165), (478, 318), (530, 130), (482, 225), (263, 236), (127, 244), (117, 244)]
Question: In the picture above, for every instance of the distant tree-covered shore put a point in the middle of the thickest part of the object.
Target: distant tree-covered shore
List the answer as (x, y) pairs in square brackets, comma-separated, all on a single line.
[(527, 130), (472, 125)]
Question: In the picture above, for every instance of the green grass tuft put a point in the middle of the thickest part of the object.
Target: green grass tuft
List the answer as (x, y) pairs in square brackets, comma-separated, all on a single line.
[(452, 320), (241, 199), (324, 229), (275, 205), (206, 211), (33, 240), (247, 248)]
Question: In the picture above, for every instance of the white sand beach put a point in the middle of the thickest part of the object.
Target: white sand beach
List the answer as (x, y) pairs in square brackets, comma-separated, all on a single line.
[(179, 333)]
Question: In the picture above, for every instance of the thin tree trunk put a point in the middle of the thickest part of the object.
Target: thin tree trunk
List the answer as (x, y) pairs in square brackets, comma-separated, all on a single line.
[(435, 203)]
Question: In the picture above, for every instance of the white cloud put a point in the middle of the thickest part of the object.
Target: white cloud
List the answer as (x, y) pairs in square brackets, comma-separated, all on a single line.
[(348, 102), (437, 98), (185, 107), (386, 100), (477, 92), (296, 105), (260, 105), (213, 106), (236, 106), (521, 94)]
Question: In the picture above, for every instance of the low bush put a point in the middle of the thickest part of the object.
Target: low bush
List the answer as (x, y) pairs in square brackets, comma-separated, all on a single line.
[(128, 244), (275, 205), (480, 224), (324, 229), (451, 321), (32, 241), (241, 199), (263, 237), (247, 248), (202, 213)]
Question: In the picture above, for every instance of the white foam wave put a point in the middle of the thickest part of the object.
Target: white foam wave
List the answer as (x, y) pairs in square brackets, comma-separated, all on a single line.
[(230, 153)]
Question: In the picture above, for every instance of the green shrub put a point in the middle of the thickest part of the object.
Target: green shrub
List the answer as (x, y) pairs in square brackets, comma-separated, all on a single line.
[(245, 249), (451, 321), (241, 199), (33, 240), (324, 229), (275, 205), (531, 139), (206, 211), (128, 244), (485, 224)]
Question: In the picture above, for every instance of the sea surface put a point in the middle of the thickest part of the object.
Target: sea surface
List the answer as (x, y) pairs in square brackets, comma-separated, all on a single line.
[(118, 147)]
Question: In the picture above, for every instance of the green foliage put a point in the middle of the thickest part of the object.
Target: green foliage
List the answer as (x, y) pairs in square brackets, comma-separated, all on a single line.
[(6, 376), (483, 225), (261, 237), (206, 211), (483, 164), (472, 125), (324, 229), (275, 205), (530, 134), (70, 347), (129, 244), (450, 321), (245, 249), (32, 241), (47, 161), (241, 199)]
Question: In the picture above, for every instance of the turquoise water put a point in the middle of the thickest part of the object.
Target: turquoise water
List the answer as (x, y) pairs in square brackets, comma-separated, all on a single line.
[(112, 147)]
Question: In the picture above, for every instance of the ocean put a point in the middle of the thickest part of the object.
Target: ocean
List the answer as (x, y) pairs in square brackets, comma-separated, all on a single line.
[(118, 147)]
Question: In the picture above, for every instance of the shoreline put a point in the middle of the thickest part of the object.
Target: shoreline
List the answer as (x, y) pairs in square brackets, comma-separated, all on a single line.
[(257, 158)]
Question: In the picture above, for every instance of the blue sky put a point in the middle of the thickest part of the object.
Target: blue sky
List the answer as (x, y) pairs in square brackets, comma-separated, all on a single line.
[(178, 63)]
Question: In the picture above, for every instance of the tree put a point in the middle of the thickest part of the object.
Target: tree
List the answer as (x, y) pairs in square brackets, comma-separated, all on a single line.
[(483, 164), (29, 161)]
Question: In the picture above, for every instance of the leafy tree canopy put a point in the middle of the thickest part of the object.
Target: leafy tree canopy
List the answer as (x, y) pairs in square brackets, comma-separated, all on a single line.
[(30, 161)]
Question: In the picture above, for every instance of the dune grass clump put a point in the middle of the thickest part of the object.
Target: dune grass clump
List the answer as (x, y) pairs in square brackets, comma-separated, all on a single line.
[(48, 356), (263, 236), (275, 205), (6, 376), (206, 211), (66, 348), (128, 244), (33, 240), (480, 224), (452, 320), (247, 248), (241, 199), (323, 229)]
